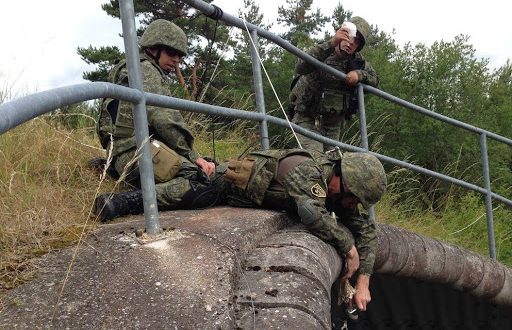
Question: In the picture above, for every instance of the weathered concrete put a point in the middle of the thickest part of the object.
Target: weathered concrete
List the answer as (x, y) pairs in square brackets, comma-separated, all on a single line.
[(287, 281), (225, 268), (407, 254), (186, 279)]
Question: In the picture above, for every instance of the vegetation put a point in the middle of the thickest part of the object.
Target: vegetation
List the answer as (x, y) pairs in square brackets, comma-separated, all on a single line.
[(47, 191)]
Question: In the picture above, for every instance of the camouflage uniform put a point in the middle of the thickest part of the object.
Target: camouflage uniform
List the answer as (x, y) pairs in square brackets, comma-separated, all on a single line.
[(115, 125), (296, 181), (322, 101)]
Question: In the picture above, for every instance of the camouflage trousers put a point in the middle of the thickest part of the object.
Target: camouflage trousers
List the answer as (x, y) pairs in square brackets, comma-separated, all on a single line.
[(328, 125), (169, 195)]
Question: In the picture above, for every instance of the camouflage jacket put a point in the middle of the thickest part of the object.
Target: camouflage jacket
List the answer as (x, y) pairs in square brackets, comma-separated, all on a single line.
[(319, 91), (306, 184), (166, 125)]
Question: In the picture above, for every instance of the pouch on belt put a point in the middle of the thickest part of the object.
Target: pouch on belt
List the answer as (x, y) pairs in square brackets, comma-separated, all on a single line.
[(166, 162), (239, 172)]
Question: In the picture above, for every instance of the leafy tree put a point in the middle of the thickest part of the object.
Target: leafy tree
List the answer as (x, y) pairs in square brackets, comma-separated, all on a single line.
[(104, 57), (301, 20), (237, 71), (339, 16), (206, 37)]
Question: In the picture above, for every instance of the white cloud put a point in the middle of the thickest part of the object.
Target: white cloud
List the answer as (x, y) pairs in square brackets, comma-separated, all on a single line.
[(39, 46), (40, 38)]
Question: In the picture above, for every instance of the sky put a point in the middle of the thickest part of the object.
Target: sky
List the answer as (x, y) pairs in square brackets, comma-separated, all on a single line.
[(40, 38)]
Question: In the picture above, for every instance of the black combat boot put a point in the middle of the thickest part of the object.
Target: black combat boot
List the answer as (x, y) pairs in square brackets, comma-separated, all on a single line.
[(108, 206)]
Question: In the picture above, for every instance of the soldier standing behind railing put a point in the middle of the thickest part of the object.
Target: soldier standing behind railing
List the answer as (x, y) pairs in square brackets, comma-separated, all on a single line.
[(320, 101)]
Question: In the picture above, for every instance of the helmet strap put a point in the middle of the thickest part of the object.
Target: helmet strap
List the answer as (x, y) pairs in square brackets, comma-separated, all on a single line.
[(156, 56)]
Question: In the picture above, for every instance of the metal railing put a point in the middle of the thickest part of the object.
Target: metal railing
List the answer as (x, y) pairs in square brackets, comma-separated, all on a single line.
[(21, 110)]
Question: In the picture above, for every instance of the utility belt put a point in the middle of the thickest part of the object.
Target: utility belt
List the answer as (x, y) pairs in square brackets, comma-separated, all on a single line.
[(338, 103), (166, 162), (251, 176)]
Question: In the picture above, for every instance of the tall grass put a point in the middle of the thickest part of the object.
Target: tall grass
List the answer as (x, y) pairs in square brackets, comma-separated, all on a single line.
[(46, 193), (459, 216)]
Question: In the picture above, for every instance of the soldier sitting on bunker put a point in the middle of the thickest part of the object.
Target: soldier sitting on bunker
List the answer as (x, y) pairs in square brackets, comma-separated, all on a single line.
[(309, 184), (320, 101), (163, 44)]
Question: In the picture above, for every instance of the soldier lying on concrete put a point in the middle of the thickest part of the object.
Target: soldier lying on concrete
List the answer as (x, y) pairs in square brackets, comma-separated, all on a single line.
[(307, 183), (163, 44)]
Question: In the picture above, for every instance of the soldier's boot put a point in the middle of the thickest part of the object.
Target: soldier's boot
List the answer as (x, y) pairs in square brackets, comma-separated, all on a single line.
[(108, 206)]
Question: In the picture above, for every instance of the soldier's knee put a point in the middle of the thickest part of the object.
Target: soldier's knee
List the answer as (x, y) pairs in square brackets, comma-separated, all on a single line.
[(202, 195)]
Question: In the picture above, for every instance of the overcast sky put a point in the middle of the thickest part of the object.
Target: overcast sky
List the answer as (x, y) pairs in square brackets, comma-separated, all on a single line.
[(39, 38)]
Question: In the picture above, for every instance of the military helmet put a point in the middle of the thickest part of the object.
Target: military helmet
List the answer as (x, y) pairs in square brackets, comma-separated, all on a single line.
[(363, 28), (164, 33), (364, 176)]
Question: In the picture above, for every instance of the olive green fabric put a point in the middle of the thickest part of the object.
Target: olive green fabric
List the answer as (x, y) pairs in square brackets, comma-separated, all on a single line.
[(364, 176), (363, 28), (164, 33), (299, 189), (302, 192), (322, 101), (115, 123)]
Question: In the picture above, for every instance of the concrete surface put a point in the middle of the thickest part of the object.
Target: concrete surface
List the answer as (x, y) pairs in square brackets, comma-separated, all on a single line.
[(229, 268), (192, 277)]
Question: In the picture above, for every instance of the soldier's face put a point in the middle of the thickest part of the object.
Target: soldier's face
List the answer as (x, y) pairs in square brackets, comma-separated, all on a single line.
[(347, 45), (341, 195), (169, 59)]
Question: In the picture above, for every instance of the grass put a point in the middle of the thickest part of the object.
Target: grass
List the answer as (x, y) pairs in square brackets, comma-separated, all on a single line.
[(459, 219), (46, 193), (45, 196)]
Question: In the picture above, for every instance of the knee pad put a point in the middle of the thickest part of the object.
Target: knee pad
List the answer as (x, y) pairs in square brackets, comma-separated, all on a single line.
[(200, 196)]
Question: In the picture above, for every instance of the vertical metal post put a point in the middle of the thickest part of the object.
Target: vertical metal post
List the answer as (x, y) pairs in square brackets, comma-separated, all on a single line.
[(258, 88), (362, 117), (140, 117), (488, 197), (364, 133)]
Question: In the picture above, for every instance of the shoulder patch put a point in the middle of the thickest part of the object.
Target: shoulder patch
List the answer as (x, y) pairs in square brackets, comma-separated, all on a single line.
[(318, 191)]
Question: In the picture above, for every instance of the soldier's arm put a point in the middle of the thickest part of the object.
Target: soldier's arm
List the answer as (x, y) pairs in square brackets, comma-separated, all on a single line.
[(168, 123), (365, 236), (320, 52), (367, 74), (302, 184)]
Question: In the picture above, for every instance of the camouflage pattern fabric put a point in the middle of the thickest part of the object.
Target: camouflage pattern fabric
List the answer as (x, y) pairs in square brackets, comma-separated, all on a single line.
[(303, 185), (166, 125), (364, 176), (322, 100)]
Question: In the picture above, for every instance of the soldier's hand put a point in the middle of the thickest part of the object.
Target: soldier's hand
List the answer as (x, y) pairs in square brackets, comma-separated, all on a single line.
[(352, 78), (207, 167), (362, 296), (340, 35), (352, 260)]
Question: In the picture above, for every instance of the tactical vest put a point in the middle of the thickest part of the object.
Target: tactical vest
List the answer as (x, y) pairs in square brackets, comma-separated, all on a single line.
[(116, 116), (265, 169), (326, 93)]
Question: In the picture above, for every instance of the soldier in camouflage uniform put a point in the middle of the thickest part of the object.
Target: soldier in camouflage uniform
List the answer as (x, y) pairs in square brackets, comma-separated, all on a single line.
[(321, 101), (307, 183), (313, 185), (162, 44)]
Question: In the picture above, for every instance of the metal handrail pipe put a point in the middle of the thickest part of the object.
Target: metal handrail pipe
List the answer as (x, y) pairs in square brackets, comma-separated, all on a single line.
[(235, 21), (190, 106), (240, 23), (435, 115), (18, 111)]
